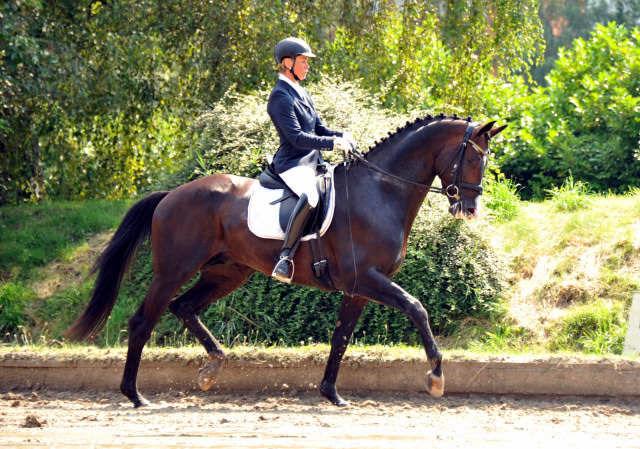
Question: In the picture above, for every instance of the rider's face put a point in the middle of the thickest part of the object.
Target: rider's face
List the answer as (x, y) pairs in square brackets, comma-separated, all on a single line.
[(301, 66)]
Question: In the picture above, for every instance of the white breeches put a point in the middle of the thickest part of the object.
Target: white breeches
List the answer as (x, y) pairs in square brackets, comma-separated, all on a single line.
[(301, 180)]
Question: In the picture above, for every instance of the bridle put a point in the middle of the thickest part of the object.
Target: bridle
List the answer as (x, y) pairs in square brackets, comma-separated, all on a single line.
[(453, 189)]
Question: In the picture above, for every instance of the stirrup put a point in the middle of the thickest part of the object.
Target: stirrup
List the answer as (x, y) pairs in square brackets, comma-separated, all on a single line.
[(280, 276)]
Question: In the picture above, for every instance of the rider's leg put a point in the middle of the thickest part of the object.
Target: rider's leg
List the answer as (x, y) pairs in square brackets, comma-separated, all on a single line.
[(302, 181)]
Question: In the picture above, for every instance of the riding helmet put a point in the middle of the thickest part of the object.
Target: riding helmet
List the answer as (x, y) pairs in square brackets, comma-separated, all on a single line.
[(290, 48)]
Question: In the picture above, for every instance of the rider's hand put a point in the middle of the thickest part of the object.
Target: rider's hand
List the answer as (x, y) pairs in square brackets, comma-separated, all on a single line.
[(340, 143), (347, 135)]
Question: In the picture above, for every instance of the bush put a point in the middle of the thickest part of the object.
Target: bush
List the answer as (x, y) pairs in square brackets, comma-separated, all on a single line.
[(585, 122), (237, 135), (501, 198), (571, 196), (14, 298), (595, 328)]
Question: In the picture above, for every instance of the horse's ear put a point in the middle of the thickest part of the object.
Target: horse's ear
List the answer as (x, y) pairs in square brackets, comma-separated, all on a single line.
[(486, 128), (495, 131)]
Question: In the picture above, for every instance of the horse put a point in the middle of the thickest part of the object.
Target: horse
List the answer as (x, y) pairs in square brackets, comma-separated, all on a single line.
[(201, 227)]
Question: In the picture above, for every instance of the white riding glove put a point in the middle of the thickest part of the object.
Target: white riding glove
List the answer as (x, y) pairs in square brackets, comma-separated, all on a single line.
[(347, 135), (340, 143)]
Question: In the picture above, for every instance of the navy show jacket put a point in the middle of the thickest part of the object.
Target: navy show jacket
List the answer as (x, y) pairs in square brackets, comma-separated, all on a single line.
[(302, 134)]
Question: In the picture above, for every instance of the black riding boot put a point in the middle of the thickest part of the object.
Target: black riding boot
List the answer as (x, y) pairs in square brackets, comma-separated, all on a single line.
[(284, 268)]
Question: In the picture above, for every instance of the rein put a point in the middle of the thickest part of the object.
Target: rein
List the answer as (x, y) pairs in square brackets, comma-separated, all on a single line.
[(452, 190)]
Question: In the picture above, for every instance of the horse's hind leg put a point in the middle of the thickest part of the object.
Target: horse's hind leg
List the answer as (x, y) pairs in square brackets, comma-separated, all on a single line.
[(350, 311), (140, 326), (215, 282)]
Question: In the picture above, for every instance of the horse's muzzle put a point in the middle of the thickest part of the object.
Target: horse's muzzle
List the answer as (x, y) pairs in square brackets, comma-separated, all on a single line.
[(465, 209)]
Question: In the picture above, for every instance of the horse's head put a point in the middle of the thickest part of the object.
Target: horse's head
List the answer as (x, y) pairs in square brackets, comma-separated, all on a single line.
[(461, 168)]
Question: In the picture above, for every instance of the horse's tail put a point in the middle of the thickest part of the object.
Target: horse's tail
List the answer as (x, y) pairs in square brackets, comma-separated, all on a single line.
[(111, 266)]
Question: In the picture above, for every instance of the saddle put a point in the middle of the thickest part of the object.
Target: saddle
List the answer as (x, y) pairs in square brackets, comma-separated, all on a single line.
[(271, 180), (272, 202)]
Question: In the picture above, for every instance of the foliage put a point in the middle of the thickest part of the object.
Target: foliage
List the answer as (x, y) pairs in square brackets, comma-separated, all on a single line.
[(98, 96), (585, 122), (503, 337), (435, 55), (596, 328), (567, 20), (14, 300), (571, 196), (451, 267), (236, 136), (501, 198), (23, 84)]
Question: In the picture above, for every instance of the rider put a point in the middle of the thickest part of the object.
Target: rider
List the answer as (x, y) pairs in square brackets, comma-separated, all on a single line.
[(302, 136)]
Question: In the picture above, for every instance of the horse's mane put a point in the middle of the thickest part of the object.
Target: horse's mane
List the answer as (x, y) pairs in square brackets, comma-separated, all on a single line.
[(418, 122)]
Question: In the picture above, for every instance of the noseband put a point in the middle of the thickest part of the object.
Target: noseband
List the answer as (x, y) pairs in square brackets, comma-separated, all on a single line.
[(453, 189)]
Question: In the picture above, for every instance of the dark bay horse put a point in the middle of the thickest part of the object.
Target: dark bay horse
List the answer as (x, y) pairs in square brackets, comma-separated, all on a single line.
[(202, 227)]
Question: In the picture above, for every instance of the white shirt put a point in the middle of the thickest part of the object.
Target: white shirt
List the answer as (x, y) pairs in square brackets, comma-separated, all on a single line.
[(296, 86)]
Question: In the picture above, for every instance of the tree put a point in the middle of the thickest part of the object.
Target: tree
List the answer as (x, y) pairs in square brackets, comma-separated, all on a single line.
[(585, 123), (566, 20), (101, 93), (21, 90)]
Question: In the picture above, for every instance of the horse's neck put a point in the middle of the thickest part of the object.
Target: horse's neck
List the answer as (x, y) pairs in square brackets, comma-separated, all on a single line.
[(410, 156)]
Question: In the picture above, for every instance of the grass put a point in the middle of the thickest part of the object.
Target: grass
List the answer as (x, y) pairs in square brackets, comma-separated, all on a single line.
[(501, 198), (569, 262), (34, 235), (571, 271), (571, 196)]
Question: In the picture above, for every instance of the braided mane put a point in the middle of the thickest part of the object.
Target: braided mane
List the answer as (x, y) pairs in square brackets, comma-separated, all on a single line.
[(377, 145)]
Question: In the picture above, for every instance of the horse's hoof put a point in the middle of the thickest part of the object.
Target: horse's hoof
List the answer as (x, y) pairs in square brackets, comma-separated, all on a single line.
[(141, 402), (435, 384), (207, 374), (333, 397)]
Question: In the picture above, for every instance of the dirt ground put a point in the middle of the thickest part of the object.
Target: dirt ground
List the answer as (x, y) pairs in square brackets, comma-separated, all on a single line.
[(70, 419)]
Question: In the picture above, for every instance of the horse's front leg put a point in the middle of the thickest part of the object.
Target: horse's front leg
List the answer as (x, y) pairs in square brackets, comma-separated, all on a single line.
[(350, 311), (377, 287)]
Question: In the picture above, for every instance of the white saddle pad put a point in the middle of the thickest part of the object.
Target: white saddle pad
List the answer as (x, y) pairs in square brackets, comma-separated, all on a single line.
[(263, 217)]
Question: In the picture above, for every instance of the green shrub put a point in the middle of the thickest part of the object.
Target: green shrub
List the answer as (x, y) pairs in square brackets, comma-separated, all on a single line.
[(501, 198), (14, 299), (236, 135), (585, 122), (595, 328), (571, 196)]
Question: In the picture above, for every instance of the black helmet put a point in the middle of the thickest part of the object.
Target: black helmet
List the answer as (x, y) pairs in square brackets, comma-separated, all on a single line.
[(290, 48)]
